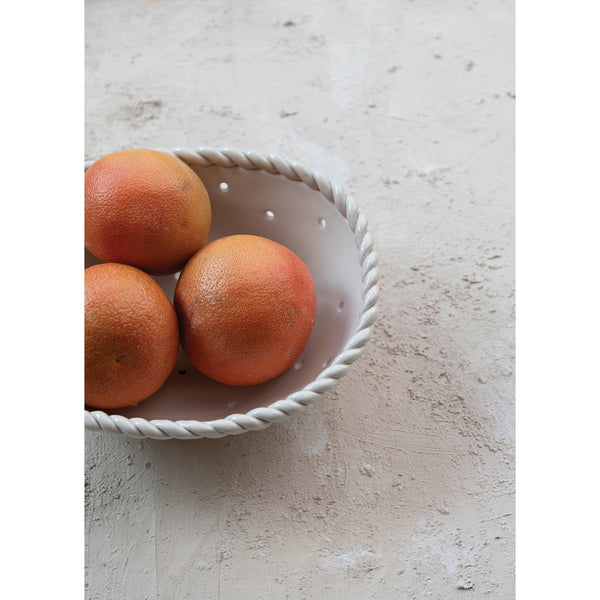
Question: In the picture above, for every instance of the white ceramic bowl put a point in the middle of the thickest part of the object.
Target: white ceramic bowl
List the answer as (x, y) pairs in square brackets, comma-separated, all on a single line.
[(301, 209)]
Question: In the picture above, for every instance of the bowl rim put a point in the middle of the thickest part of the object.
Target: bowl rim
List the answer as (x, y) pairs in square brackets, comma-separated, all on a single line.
[(280, 410)]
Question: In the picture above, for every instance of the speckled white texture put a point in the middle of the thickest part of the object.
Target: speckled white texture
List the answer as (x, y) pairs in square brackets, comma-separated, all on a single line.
[(400, 482)]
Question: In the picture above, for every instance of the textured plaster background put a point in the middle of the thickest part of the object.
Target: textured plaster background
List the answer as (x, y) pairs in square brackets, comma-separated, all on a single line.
[(400, 482)]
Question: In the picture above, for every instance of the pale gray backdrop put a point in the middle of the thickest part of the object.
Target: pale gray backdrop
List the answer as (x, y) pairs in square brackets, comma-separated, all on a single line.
[(400, 482)]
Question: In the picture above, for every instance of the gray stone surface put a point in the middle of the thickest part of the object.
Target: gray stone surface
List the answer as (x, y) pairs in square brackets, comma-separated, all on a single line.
[(400, 482)]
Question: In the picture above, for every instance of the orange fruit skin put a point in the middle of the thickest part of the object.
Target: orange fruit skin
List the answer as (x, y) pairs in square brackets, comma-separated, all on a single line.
[(145, 208), (131, 336), (246, 308)]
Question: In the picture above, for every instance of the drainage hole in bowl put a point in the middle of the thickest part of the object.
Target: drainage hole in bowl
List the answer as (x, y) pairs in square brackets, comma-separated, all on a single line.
[(223, 186), (298, 364), (181, 372), (269, 215), (340, 306), (322, 223)]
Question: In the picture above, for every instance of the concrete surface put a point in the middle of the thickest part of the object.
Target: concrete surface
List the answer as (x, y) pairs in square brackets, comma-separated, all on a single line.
[(400, 482)]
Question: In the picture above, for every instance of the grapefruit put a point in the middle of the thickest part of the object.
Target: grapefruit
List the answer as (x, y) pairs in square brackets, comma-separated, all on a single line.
[(131, 336), (145, 208), (246, 308)]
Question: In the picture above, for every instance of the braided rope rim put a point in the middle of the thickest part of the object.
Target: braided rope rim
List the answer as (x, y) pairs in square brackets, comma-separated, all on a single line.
[(281, 410)]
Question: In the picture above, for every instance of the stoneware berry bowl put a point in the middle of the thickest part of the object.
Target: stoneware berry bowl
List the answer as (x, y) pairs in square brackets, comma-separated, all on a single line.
[(265, 195)]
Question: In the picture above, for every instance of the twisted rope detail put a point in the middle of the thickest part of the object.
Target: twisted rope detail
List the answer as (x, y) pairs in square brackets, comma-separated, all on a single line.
[(279, 411)]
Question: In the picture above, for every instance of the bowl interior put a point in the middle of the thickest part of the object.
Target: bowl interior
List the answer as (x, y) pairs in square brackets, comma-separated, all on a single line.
[(288, 212)]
